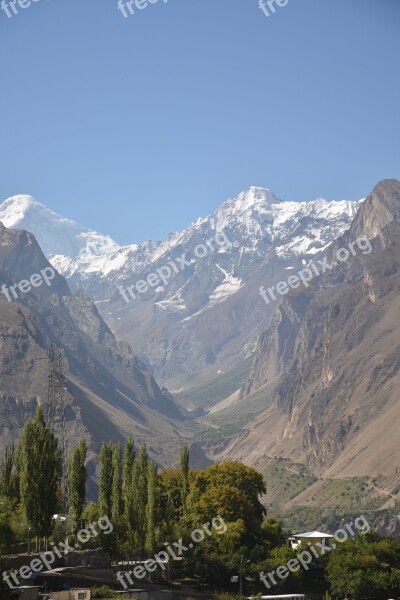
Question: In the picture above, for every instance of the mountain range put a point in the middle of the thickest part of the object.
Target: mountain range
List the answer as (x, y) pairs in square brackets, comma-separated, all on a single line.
[(310, 378), (326, 371), (109, 393), (204, 322)]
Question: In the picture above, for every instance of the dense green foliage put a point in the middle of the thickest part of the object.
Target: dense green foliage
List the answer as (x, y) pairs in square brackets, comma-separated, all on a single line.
[(103, 591), (368, 567), (40, 464), (106, 478), (184, 463), (9, 482), (150, 509), (77, 475)]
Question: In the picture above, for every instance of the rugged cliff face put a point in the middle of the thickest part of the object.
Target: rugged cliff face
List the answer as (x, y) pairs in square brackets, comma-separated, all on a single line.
[(109, 392), (334, 350), (276, 345)]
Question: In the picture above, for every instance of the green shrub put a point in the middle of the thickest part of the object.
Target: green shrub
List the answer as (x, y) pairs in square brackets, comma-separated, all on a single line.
[(103, 591)]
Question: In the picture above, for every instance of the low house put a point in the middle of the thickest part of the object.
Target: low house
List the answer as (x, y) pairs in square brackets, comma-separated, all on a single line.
[(72, 594), (312, 538)]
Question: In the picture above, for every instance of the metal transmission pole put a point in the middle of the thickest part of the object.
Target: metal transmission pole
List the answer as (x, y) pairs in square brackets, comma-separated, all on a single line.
[(56, 411)]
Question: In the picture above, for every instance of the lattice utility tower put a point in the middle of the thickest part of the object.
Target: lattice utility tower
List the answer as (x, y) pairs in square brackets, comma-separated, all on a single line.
[(56, 412)]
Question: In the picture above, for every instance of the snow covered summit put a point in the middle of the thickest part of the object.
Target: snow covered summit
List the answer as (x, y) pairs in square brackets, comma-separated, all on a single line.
[(206, 319), (255, 221)]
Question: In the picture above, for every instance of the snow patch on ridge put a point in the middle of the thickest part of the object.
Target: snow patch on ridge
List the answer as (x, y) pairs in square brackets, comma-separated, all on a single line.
[(229, 286), (256, 222)]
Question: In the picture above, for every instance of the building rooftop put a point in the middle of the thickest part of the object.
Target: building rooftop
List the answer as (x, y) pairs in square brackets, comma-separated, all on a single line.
[(313, 534)]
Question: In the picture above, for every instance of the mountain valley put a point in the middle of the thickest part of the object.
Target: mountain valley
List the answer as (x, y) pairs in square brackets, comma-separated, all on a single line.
[(311, 378)]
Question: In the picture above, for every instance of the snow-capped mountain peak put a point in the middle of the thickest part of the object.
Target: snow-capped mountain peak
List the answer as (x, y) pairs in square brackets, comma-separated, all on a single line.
[(256, 221), (256, 198), (61, 239), (207, 313)]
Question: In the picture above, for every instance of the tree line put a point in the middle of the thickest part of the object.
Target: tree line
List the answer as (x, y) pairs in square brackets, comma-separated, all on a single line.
[(149, 507), (145, 504)]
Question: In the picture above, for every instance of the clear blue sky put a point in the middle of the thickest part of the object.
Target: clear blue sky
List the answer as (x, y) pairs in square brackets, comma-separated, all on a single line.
[(138, 126)]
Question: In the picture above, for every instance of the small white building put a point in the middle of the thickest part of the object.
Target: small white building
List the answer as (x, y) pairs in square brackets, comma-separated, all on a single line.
[(60, 518), (311, 538), (72, 594)]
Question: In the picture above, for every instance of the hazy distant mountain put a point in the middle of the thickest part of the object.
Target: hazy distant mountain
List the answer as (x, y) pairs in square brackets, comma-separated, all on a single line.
[(204, 321), (327, 369)]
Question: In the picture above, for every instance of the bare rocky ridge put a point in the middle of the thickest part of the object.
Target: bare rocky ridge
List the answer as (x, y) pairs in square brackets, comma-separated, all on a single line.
[(333, 353), (110, 394)]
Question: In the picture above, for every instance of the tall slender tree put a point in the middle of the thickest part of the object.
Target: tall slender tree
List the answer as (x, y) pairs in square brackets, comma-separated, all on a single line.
[(151, 510), (40, 477), (106, 479), (9, 480), (140, 491), (127, 489), (127, 473), (184, 465), (116, 501), (77, 477), (169, 514)]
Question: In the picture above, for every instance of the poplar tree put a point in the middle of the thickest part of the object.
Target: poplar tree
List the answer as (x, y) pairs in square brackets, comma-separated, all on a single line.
[(140, 479), (129, 459), (127, 489), (169, 513), (116, 501), (40, 463), (184, 466), (77, 477), (9, 481), (106, 479), (151, 509)]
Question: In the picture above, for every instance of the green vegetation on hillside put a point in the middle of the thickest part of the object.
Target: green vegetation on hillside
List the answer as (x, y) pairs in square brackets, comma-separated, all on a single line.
[(309, 518), (286, 479), (214, 514)]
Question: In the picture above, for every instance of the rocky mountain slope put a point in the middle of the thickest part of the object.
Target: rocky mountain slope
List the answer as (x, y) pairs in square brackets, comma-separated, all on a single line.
[(326, 372), (109, 392), (200, 322)]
